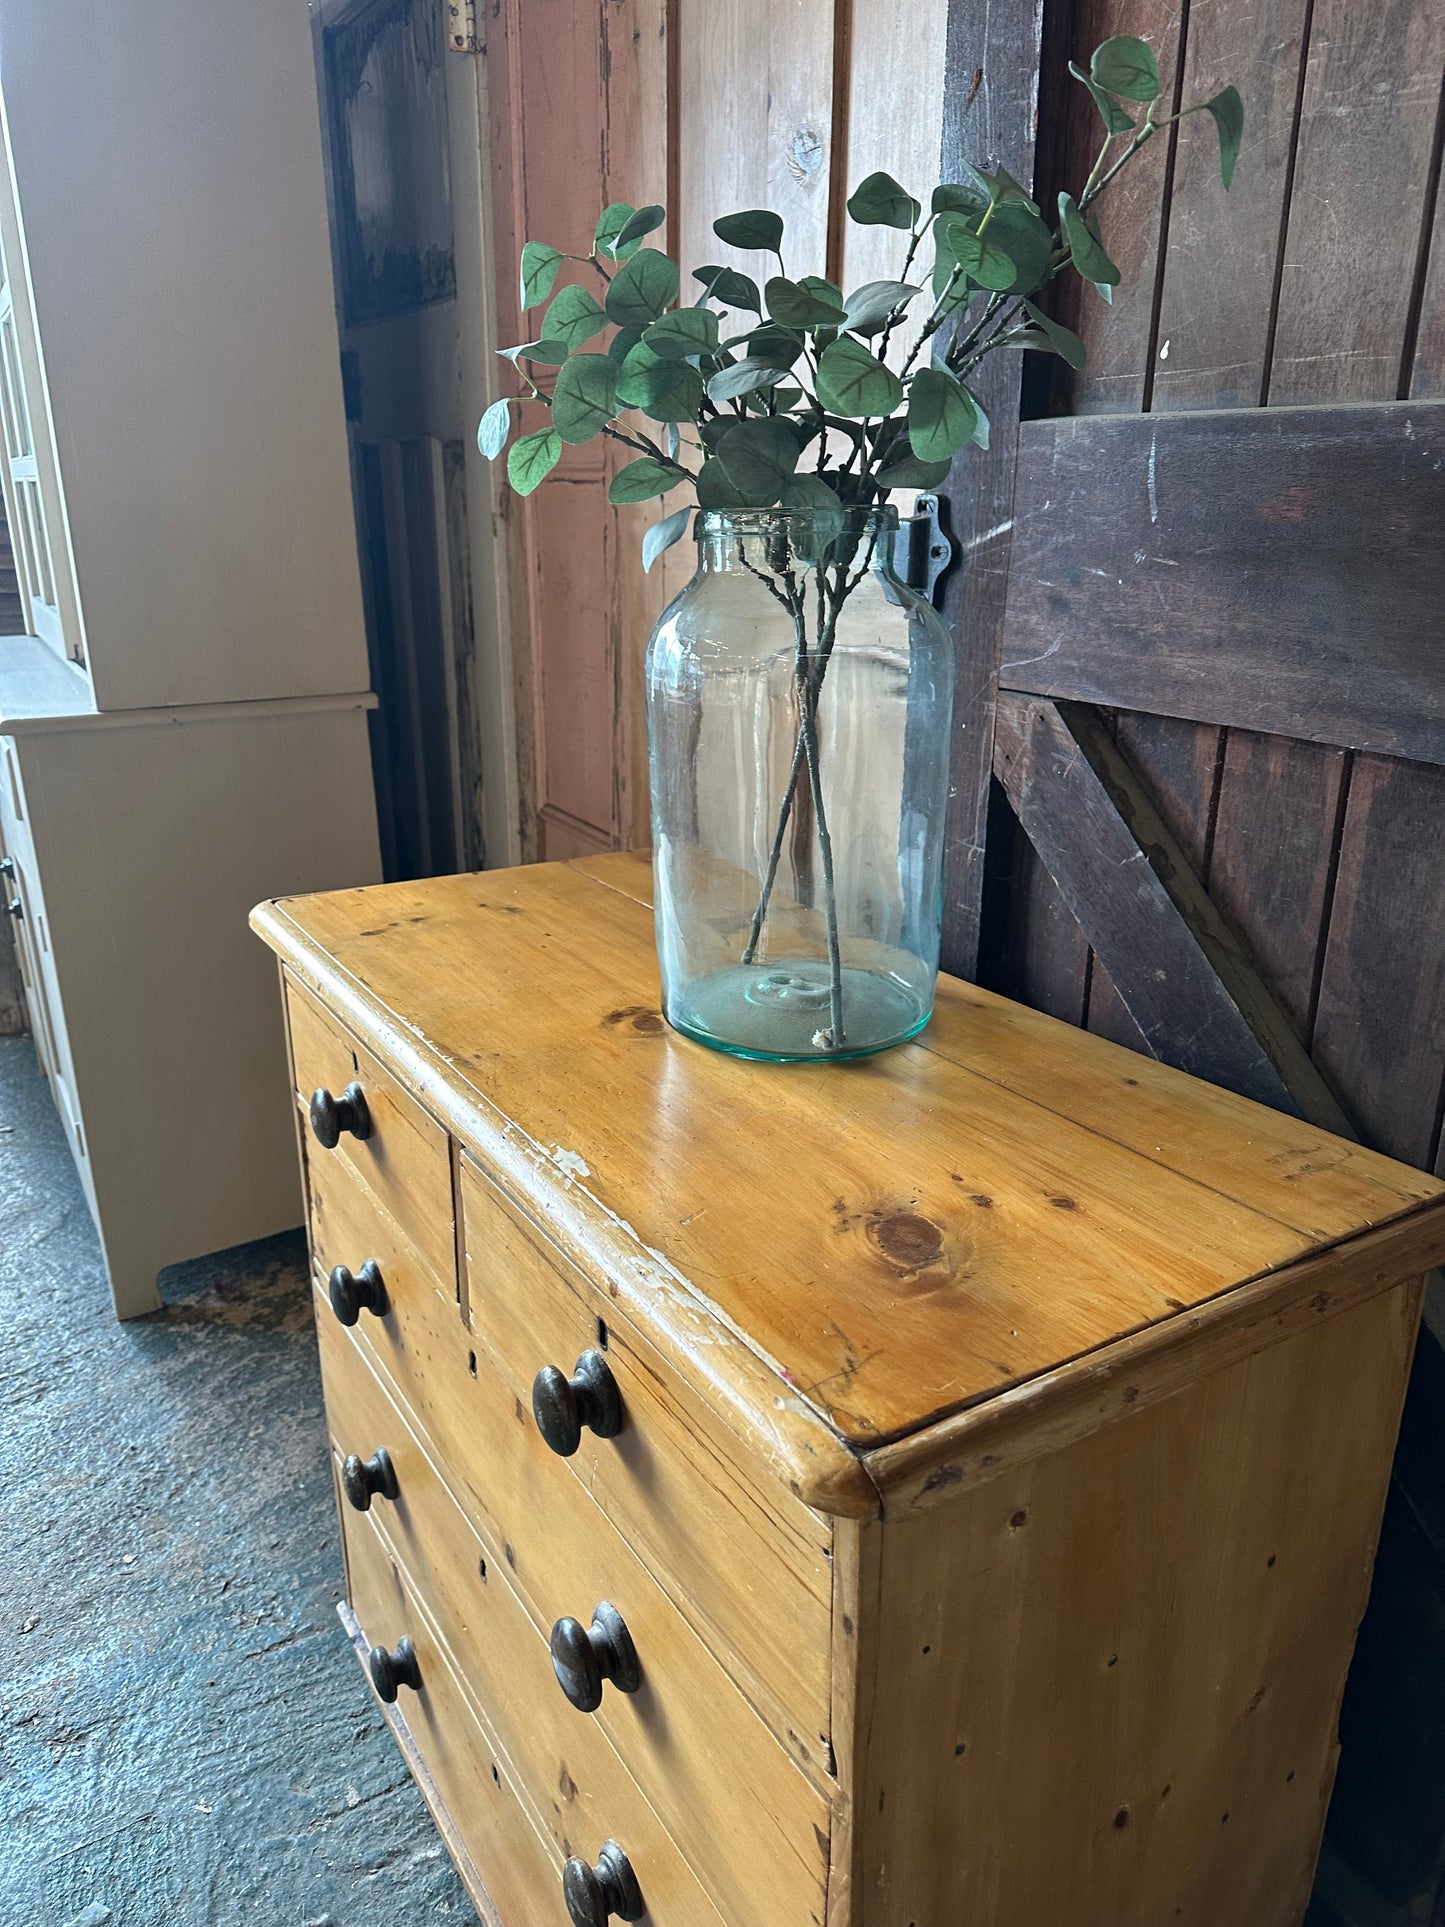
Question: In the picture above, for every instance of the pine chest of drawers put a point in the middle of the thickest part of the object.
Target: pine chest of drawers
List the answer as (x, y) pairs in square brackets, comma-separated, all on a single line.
[(939, 1489)]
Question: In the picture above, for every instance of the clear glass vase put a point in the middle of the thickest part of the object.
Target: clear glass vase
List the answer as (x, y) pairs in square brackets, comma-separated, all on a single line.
[(799, 704)]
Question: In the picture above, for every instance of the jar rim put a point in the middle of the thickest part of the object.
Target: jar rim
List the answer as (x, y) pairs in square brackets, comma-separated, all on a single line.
[(881, 518)]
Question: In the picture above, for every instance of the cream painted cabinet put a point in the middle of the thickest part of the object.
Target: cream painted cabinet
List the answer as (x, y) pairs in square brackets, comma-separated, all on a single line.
[(185, 729)]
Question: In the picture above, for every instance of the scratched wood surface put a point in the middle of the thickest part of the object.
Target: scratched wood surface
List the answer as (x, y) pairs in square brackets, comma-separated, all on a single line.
[(928, 1201)]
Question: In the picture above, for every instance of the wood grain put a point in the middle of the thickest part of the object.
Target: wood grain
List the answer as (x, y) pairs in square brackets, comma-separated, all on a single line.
[(1163, 1748), (927, 1227), (990, 99), (473, 1809), (1219, 567), (686, 1737), (1368, 116), (1217, 293), (747, 1566), (1177, 969), (1380, 1029), (574, 1786), (404, 1162)]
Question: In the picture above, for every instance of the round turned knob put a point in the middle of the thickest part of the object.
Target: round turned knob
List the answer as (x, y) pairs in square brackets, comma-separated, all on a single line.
[(330, 1116), (361, 1477), (353, 1292), (595, 1894), (584, 1656), (562, 1406), (389, 1671)]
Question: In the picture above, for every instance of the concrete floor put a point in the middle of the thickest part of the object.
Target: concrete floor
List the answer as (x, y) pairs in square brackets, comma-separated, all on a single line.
[(185, 1737)]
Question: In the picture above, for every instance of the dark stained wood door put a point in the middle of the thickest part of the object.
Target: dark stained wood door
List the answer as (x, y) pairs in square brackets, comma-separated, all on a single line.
[(1199, 776)]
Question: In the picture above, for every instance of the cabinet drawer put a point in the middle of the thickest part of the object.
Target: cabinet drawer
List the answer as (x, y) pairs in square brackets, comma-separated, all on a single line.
[(462, 1766), (744, 1815), (405, 1161), (575, 1782), (419, 1342), (749, 1568)]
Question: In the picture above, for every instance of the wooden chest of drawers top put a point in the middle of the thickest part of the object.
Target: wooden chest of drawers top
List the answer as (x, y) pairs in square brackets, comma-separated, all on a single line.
[(876, 1275)]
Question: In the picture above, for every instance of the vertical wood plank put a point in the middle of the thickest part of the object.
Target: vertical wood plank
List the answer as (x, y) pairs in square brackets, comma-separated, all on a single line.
[(1131, 211), (1272, 871), (1380, 1028), (989, 112), (1426, 375), (1366, 141), (1219, 271), (12, 1002), (635, 166), (895, 122), (1046, 963)]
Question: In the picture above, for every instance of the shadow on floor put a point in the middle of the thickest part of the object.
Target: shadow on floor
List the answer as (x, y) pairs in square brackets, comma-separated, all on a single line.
[(185, 1738)]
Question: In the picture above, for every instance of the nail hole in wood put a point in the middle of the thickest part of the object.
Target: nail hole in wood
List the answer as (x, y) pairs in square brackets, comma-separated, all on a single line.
[(472, 1363), (602, 1333)]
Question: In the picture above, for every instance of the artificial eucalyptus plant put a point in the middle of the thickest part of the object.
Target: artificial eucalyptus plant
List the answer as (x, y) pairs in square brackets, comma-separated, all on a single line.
[(783, 397)]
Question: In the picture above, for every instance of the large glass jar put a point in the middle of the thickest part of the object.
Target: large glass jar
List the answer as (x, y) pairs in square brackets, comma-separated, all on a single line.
[(799, 701)]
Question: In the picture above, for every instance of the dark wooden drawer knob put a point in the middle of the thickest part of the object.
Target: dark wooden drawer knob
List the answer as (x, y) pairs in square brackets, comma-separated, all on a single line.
[(360, 1478), (391, 1671), (353, 1292), (595, 1894), (331, 1116), (584, 1656), (562, 1406)]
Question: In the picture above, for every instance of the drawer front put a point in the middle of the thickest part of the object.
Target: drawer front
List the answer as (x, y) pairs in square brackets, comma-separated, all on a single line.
[(420, 1342), (405, 1162), (744, 1815), (749, 1570), (468, 1773), (576, 1784)]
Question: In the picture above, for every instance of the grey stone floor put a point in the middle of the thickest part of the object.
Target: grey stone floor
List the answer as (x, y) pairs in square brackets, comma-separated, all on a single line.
[(185, 1737)]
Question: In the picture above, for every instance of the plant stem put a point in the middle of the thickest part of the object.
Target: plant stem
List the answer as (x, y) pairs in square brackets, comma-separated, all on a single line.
[(837, 1036)]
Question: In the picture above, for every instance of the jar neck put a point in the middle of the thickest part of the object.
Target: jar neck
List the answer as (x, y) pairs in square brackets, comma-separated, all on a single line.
[(775, 542)]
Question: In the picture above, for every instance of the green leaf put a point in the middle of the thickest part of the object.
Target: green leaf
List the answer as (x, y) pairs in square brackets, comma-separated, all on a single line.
[(574, 317), (550, 353), (941, 415), (637, 227), (958, 197), (825, 290), (1124, 65), (881, 202), (780, 346), (662, 535), (668, 391), (686, 331), (610, 224), (758, 457), (807, 492), (494, 428), (1115, 120), (743, 378), (715, 491), (759, 227), (906, 470), (533, 458), (1088, 256), (640, 481), (734, 290), (867, 309), (585, 398), (539, 270), (623, 343), (1026, 240), (1000, 186), (980, 433), (1062, 340), (853, 382), (798, 307), (979, 255), (1228, 111), (641, 289)]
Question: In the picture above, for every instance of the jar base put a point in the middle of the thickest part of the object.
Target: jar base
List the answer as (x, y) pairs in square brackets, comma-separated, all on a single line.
[(779, 1012)]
